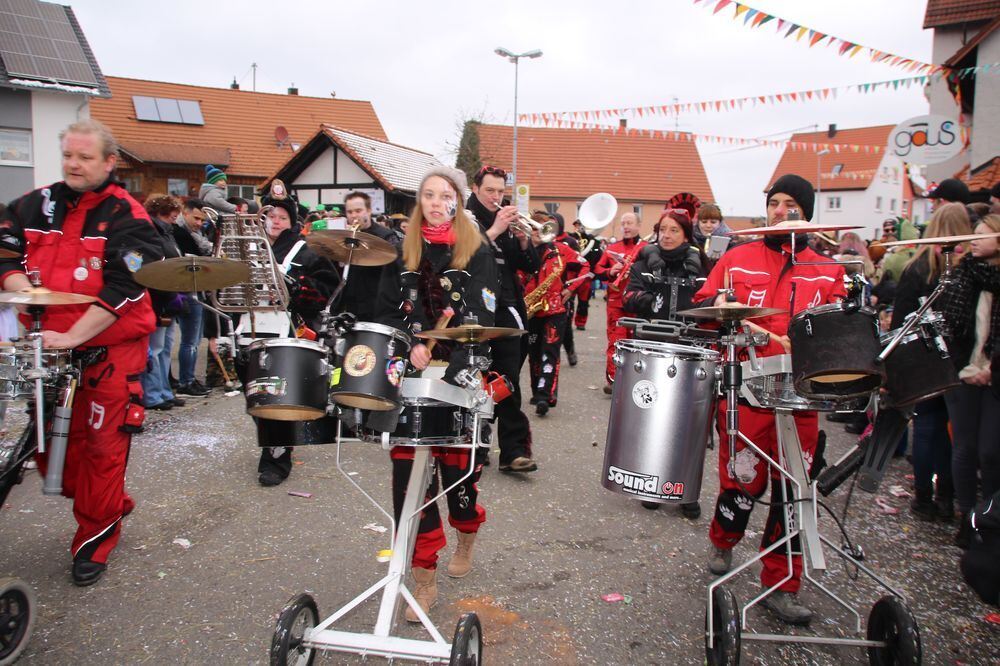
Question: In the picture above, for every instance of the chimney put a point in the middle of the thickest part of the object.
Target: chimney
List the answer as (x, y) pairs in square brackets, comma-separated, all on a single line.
[(622, 123), (293, 90), (831, 131), (234, 85)]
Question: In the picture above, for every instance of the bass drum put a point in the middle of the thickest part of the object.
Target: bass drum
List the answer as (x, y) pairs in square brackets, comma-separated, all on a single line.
[(919, 368), (371, 376), (661, 414), (834, 350), (287, 379), (297, 433)]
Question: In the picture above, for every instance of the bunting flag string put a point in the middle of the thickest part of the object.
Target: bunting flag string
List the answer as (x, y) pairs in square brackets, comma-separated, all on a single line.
[(754, 18), (753, 101), (676, 135)]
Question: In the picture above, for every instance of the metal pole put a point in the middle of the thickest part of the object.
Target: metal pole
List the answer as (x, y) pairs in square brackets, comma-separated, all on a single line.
[(513, 170)]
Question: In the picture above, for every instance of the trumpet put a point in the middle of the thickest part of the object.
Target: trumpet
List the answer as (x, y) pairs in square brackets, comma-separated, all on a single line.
[(547, 232)]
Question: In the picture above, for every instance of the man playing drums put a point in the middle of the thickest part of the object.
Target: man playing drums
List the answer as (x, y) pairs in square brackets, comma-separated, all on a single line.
[(762, 274)]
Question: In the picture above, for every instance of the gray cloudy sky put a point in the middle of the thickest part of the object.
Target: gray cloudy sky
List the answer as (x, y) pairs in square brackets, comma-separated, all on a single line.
[(427, 65)]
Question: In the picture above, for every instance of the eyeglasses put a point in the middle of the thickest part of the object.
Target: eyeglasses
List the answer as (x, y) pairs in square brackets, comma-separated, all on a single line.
[(488, 170)]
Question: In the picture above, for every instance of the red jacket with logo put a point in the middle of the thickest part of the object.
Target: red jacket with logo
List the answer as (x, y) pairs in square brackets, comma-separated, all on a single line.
[(762, 277), (85, 243), (629, 247)]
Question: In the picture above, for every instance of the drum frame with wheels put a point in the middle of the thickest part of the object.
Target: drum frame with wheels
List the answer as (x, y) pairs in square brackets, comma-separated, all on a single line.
[(381, 642), (801, 518)]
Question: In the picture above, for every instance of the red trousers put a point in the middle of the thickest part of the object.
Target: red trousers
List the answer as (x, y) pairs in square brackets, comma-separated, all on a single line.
[(464, 512), (732, 510), (107, 407), (615, 332)]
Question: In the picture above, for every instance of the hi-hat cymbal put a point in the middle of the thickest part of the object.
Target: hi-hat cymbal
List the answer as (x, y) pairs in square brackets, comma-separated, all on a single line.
[(354, 247), (470, 333), (186, 274), (730, 312), (940, 240), (43, 296), (9, 254), (790, 226)]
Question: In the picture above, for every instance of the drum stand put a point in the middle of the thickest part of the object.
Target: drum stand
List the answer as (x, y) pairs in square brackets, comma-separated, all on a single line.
[(298, 627), (892, 630)]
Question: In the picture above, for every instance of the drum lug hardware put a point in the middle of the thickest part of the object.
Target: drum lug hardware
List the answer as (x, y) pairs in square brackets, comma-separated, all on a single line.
[(417, 421), (672, 371), (809, 327), (616, 358), (262, 359), (700, 373), (639, 366)]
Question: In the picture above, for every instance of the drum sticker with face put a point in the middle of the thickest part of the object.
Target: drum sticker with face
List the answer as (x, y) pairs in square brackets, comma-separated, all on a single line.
[(644, 394), (266, 385), (394, 370), (360, 360), (335, 377)]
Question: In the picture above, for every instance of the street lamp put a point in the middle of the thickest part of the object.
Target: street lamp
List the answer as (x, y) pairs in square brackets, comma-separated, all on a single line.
[(819, 181), (514, 58)]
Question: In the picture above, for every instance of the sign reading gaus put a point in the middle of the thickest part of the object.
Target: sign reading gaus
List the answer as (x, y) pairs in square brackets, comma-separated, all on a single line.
[(929, 139)]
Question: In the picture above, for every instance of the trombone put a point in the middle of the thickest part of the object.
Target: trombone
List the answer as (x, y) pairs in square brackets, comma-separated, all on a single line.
[(547, 232)]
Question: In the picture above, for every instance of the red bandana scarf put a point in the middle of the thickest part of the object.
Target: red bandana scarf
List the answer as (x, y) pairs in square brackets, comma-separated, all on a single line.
[(442, 234)]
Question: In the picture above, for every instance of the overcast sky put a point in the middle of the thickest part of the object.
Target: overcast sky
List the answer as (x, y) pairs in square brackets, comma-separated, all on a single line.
[(428, 65)]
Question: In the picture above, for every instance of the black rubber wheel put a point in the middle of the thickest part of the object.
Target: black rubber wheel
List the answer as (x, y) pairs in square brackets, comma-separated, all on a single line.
[(298, 616), (724, 650), (652, 506), (891, 621), (17, 618), (467, 647)]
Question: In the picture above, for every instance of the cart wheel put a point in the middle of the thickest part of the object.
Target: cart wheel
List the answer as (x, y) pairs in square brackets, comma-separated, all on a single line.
[(891, 621), (467, 648), (724, 649), (652, 506), (297, 617), (17, 618)]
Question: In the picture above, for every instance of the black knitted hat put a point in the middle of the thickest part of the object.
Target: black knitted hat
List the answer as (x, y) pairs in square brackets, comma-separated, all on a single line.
[(797, 188)]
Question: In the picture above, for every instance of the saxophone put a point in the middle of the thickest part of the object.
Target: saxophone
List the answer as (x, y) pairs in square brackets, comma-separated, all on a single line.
[(535, 300)]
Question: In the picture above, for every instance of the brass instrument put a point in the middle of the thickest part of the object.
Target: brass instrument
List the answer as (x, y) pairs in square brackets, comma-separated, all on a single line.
[(242, 237), (626, 269), (546, 232), (535, 300)]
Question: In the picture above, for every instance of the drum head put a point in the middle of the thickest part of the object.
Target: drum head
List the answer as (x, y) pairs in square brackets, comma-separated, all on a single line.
[(363, 401), (286, 412)]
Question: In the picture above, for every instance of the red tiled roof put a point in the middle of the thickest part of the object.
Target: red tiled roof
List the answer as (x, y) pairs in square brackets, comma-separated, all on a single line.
[(177, 153), (239, 120), (575, 163), (949, 12), (863, 165), (985, 176)]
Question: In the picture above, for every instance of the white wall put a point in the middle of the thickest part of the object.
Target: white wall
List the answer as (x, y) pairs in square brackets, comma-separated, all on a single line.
[(986, 131), (947, 42), (348, 171), (51, 113), (319, 172), (859, 207)]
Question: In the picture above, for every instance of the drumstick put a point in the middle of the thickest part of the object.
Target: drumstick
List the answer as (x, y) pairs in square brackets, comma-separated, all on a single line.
[(442, 322), (222, 367), (781, 339)]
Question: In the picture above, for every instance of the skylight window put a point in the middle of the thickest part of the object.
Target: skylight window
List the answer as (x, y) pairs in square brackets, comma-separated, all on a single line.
[(167, 110), (837, 168)]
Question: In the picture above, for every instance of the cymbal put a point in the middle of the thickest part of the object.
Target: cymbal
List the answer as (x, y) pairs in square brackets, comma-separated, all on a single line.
[(940, 240), (43, 296), (470, 333), (9, 254), (789, 226), (187, 274), (730, 312), (349, 246)]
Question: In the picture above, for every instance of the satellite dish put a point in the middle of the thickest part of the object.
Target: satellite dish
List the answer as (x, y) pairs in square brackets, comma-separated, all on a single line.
[(280, 135)]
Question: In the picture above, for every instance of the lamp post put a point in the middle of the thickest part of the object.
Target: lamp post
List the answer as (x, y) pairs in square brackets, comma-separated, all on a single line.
[(514, 58), (819, 181)]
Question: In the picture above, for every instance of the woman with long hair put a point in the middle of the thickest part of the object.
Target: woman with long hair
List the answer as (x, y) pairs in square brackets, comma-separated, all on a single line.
[(971, 307), (445, 277), (931, 442)]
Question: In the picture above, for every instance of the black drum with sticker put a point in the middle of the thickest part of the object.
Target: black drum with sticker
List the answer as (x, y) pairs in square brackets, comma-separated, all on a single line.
[(287, 379), (371, 374)]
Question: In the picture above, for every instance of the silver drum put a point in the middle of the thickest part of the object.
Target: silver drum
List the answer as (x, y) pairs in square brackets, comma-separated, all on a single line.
[(661, 414), (17, 369)]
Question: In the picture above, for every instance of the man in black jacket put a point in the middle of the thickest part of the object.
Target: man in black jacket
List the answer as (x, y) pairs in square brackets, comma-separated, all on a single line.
[(512, 253), (361, 292)]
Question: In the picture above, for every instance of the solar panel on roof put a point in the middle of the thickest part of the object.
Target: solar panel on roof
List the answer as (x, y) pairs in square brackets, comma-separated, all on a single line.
[(37, 41), (167, 110)]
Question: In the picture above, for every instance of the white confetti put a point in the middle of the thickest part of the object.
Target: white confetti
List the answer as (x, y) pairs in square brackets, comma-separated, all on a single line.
[(183, 543)]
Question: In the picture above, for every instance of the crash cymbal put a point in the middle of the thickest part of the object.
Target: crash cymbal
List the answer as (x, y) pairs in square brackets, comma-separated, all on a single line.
[(470, 333), (186, 274), (349, 246), (43, 296), (789, 226), (9, 254), (730, 312), (940, 240)]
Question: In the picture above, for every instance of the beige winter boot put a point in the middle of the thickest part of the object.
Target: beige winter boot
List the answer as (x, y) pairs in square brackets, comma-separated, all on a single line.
[(461, 561), (425, 591)]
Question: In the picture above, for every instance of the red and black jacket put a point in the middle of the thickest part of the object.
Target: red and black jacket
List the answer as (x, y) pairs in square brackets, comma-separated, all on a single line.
[(85, 243)]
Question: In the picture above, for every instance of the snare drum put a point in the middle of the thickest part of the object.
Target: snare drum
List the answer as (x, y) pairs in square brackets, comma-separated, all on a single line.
[(661, 414), (375, 360), (287, 379), (767, 384), (17, 369), (833, 352), (919, 367), (428, 422)]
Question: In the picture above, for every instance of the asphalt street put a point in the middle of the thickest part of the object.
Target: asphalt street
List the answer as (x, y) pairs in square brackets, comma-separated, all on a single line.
[(209, 557)]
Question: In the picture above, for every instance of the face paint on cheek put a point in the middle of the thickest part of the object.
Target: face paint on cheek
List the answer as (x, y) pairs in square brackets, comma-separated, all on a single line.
[(450, 208)]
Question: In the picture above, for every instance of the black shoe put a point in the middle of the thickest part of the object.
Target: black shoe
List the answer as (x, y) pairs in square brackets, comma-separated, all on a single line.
[(581, 328), (963, 538), (541, 408), (164, 406), (193, 390), (923, 509), (572, 359), (691, 511), (840, 417), (179, 402), (269, 479), (86, 572), (483, 456), (607, 389), (855, 428)]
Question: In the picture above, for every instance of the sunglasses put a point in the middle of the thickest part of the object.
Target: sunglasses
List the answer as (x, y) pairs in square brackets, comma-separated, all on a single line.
[(491, 171)]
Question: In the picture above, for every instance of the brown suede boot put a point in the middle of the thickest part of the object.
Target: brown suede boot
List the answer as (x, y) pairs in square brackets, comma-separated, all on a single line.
[(461, 561), (425, 591)]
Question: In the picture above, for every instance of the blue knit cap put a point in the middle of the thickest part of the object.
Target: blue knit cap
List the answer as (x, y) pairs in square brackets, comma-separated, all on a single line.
[(214, 174)]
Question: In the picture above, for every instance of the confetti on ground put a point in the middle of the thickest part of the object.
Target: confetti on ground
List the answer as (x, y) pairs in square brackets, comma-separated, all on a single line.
[(898, 491), (993, 618), (615, 597), (887, 508), (592, 388), (374, 527), (230, 394), (383, 555), (183, 543), (161, 575), (299, 493)]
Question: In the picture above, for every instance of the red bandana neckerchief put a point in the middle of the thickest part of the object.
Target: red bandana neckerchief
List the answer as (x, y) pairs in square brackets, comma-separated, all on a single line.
[(442, 234)]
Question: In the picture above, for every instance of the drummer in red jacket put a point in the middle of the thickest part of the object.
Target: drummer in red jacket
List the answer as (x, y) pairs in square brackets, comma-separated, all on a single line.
[(761, 274)]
